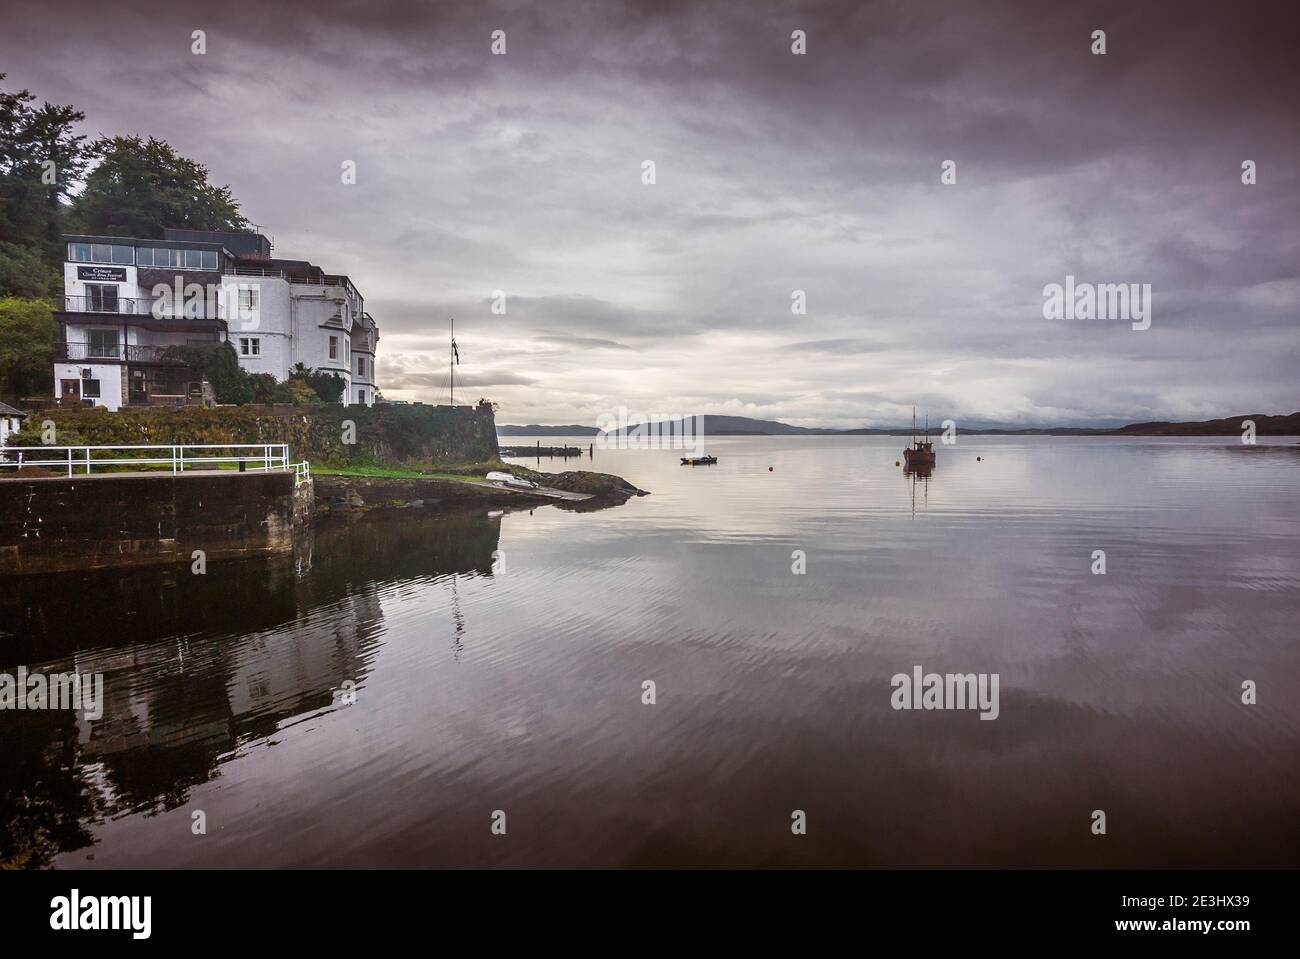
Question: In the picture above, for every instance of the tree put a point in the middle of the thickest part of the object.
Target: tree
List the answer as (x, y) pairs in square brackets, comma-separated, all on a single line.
[(264, 388), (50, 130), (19, 195), (41, 159), (328, 386), (139, 187), (297, 392), (219, 365), (27, 335), (25, 273)]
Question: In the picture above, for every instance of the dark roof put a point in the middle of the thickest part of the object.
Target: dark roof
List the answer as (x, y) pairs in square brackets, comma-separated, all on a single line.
[(148, 242), (299, 269), (239, 242), (7, 410), (294, 267)]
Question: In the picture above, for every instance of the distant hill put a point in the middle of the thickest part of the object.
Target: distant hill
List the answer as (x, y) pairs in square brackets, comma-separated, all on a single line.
[(1265, 425), (547, 431)]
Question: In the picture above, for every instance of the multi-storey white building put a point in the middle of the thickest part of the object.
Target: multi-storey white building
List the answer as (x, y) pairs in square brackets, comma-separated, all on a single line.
[(127, 300)]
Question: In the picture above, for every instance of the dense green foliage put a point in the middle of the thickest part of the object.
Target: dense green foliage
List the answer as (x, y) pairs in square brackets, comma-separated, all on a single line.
[(219, 365), (40, 161), (138, 187), (232, 384), (25, 272), (27, 335), (327, 386)]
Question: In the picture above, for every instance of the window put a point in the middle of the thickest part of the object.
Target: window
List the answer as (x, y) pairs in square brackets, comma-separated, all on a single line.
[(250, 346), (248, 299), (334, 347), (101, 253), (102, 344), (361, 396), (361, 366), (101, 298), (179, 259), (90, 388)]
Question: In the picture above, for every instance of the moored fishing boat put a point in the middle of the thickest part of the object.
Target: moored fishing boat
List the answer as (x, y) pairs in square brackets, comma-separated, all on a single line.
[(699, 460), (921, 453)]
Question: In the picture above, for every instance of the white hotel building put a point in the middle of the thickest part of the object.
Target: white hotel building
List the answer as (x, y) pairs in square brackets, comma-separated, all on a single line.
[(276, 314)]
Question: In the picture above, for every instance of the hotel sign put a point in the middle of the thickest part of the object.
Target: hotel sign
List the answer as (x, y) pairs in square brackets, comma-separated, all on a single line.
[(102, 274)]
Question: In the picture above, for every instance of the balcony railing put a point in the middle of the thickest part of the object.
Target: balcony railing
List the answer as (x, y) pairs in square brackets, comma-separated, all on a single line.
[(134, 306), (71, 352), (358, 301)]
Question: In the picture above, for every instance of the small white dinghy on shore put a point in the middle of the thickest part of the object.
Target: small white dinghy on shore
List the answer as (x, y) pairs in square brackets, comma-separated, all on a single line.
[(510, 480)]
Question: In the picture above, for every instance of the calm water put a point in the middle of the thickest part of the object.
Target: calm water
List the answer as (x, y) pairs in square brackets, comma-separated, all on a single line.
[(513, 682)]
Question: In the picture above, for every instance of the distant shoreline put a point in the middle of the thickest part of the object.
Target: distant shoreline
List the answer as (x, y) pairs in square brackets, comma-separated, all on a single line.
[(1265, 425)]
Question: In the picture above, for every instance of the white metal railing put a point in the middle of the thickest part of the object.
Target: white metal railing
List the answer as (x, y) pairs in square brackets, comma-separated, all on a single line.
[(243, 456)]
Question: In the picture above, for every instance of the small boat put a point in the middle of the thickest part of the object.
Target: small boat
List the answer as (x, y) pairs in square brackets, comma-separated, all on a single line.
[(921, 454), (510, 480), (699, 460)]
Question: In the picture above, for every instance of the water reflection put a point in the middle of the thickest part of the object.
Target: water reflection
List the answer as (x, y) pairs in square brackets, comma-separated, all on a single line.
[(919, 473), (522, 687), (249, 648)]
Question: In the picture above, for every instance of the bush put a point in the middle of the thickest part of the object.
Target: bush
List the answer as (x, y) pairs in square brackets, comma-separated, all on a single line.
[(263, 386), (327, 386), (418, 437), (219, 365)]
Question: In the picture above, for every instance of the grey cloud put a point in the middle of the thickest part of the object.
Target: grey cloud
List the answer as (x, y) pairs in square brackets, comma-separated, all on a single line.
[(582, 342), (775, 173)]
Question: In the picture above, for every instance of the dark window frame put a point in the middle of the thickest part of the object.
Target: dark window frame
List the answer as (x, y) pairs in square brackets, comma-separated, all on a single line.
[(91, 347)]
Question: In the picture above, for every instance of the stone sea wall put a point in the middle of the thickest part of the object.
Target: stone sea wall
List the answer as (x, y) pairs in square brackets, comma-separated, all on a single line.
[(95, 522), (413, 436)]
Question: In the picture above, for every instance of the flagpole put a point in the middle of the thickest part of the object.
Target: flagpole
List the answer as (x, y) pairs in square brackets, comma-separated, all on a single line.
[(452, 359)]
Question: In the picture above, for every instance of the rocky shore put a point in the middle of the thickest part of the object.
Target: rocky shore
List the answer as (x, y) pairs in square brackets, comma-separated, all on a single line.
[(350, 495), (60, 523)]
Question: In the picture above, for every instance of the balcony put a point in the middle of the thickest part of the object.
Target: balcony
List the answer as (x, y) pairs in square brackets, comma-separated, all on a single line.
[(99, 353), (135, 306)]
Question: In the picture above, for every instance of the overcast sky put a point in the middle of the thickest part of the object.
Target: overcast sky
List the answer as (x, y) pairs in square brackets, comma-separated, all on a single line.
[(775, 172)]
